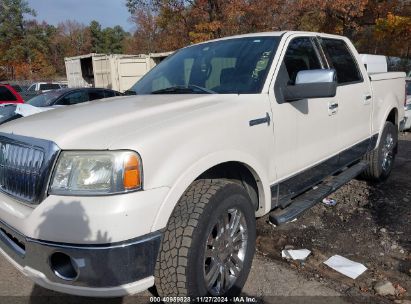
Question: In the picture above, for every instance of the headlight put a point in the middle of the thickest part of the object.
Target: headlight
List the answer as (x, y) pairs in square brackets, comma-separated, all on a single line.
[(96, 173)]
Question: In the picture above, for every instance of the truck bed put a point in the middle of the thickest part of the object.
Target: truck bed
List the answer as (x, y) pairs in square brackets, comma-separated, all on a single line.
[(387, 87)]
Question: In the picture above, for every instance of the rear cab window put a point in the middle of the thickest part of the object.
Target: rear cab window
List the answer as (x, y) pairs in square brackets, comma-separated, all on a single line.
[(6, 94), (49, 86), (342, 60)]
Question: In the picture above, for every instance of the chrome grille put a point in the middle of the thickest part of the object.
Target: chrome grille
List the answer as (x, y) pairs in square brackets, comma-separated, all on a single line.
[(25, 165)]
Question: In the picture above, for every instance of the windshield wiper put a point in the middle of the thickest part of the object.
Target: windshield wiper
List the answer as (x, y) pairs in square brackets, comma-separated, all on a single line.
[(181, 89)]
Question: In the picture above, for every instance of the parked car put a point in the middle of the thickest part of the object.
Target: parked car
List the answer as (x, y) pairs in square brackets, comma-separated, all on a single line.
[(9, 95), (39, 88), (52, 100), (66, 97), (407, 106), (43, 87), (165, 188)]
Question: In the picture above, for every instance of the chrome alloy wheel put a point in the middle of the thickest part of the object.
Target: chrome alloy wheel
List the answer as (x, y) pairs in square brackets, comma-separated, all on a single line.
[(388, 152), (225, 252)]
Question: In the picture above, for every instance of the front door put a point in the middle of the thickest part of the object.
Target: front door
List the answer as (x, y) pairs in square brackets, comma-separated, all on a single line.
[(305, 130)]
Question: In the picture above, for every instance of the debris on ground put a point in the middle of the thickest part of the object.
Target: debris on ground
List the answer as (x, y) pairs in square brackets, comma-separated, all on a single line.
[(329, 202), (370, 223), (345, 266), (299, 254), (384, 288), (399, 290)]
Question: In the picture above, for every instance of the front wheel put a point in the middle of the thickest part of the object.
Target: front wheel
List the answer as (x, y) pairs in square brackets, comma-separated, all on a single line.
[(381, 160), (209, 242)]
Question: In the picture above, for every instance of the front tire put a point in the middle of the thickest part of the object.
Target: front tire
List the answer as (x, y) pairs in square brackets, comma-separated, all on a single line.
[(381, 160), (209, 242)]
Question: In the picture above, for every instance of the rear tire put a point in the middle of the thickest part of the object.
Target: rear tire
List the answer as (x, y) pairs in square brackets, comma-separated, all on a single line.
[(209, 242), (381, 159)]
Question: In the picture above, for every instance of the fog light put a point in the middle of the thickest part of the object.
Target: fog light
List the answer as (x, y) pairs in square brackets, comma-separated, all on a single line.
[(63, 266)]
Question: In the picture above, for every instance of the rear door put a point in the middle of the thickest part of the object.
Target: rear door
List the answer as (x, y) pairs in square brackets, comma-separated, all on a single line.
[(353, 99), (306, 137)]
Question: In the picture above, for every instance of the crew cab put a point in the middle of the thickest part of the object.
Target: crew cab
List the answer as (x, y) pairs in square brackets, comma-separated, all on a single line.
[(165, 189)]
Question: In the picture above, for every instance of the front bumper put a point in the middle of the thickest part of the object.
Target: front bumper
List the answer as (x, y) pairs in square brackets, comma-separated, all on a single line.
[(107, 270)]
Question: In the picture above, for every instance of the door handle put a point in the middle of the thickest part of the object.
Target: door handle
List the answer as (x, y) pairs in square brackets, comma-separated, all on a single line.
[(259, 121), (367, 98), (333, 106)]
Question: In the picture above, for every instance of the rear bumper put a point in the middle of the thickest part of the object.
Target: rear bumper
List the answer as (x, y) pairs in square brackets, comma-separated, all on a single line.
[(97, 270)]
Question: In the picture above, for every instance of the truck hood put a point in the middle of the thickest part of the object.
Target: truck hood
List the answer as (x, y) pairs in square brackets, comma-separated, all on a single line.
[(97, 124)]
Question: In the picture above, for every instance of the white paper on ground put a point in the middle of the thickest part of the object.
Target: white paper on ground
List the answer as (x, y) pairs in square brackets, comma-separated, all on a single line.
[(27, 110), (345, 266), (299, 254)]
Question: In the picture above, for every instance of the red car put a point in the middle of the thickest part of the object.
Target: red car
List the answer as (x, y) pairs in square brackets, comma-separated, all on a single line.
[(9, 95)]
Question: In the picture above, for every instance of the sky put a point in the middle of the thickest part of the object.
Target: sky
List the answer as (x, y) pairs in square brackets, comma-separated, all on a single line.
[(108, 12)]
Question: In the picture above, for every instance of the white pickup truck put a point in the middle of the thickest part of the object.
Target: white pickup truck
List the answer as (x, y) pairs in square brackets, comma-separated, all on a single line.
[(163, 188)]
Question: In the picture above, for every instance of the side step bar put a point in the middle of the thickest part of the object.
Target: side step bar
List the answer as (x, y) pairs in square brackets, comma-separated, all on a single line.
[(308, 199)]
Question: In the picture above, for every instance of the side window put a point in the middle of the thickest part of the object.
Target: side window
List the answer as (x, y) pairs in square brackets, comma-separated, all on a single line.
[(342, 60), (301, 55), (108, 93), (73, 98), (49, 86), (95, 94), (6, 95)]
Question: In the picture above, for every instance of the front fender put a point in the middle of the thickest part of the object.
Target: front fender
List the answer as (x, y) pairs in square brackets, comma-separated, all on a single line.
[(187, 177)]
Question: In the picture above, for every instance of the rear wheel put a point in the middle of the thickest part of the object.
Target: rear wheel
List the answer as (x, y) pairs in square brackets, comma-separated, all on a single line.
[(209, 242), (381, 160)]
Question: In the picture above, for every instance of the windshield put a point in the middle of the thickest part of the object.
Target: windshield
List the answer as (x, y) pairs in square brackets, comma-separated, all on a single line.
[(226, 66), (45, 99)]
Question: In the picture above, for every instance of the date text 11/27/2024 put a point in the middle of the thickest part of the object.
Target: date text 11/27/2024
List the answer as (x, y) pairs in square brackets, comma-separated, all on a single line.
[(203, 299)]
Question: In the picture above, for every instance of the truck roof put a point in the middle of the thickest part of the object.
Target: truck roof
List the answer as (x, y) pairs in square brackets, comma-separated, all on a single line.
[(273, 34)]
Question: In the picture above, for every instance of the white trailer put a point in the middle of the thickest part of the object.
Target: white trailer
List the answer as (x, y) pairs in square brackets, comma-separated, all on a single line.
[(117, 72)]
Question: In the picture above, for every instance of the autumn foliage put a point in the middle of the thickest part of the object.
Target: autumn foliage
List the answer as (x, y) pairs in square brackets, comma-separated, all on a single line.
[(371, 24), (33, 50)]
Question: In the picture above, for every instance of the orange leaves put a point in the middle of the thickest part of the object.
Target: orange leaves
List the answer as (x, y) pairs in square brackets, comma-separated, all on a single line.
[(393, 35)]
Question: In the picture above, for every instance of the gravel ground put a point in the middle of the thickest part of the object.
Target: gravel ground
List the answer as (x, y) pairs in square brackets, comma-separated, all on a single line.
[(370, 224)]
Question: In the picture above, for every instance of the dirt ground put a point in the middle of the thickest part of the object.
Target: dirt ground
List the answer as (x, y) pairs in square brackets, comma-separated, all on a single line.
[(370, 224)]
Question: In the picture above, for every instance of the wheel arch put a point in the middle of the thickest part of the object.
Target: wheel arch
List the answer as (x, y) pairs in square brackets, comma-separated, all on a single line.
[(242, 169), (391, 115)]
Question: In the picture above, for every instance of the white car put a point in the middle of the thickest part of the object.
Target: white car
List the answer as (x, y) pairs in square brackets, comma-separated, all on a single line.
[(106, 200)]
